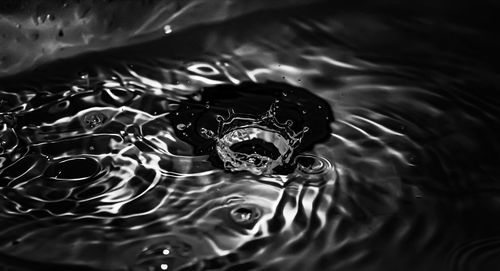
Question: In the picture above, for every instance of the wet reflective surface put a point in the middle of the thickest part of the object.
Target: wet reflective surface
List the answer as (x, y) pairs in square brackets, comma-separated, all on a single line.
[(145, 148)]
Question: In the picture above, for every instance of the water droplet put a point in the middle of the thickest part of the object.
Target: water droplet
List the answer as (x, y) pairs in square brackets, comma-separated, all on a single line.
[(93, 119), (181, 126), (167, 29), (197, 97), (259, 146), (166, 251), (83, 75), (164, 266)]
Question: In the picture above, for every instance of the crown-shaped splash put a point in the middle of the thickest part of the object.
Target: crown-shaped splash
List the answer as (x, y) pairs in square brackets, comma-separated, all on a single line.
[(264, 130)]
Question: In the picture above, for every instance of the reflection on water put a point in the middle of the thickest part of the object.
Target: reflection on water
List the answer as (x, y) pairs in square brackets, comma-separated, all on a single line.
[(103, 167)]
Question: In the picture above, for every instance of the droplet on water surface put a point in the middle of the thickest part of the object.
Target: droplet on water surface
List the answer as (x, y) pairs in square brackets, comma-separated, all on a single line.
[(181, 126), (260, 137)]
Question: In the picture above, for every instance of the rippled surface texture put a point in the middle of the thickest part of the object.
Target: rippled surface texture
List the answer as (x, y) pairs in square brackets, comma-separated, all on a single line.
[(94, 175)]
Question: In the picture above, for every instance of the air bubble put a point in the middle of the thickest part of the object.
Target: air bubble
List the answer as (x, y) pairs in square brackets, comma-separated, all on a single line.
[(93, 120), (245, 214)]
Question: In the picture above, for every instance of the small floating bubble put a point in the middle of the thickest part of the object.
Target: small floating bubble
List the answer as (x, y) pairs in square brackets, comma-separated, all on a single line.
[(93, 119), (164, 266), (245, 214)]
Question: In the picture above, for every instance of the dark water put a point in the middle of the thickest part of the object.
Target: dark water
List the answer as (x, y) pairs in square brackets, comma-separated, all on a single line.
[(139, 141)]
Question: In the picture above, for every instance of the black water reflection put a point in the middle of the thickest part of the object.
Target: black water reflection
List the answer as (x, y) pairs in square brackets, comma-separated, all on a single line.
[(94, 176)]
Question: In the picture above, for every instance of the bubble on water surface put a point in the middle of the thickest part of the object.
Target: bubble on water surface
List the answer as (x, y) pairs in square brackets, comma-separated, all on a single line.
[(245, 214), (92, 120)]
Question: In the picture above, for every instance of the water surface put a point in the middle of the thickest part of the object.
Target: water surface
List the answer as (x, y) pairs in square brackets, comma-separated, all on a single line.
[(96, 174)]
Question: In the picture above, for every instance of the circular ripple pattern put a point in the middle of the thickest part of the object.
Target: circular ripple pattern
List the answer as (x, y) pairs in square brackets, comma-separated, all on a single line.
[(106, 159)]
